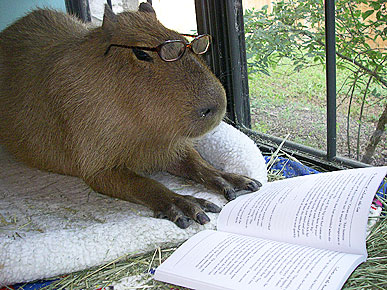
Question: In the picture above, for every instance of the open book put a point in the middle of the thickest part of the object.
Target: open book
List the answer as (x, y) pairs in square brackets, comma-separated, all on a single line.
[(306, 232)]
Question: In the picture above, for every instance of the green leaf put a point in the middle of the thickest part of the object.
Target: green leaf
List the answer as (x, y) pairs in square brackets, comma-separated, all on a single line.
[(375, 4), (367, 14), (378, 15)]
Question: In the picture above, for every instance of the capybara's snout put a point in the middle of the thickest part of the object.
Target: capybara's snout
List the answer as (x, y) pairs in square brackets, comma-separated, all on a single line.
[(210, 111)]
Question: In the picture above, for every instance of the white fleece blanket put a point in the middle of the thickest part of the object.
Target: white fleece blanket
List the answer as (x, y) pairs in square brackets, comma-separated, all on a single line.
[(52, 224)]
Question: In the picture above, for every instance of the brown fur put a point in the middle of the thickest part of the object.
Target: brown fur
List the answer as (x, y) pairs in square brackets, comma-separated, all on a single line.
[(67, 107)]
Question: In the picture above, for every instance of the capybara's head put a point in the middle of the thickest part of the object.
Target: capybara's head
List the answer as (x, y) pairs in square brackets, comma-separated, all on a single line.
[(179, 98)]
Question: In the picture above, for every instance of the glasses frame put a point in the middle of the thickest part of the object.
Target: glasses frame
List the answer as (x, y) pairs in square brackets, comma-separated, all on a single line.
[(159, 47)]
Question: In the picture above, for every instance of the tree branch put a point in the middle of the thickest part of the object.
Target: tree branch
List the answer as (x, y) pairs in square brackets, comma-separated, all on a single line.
[(365, 69), (375, 138), (358, 64)]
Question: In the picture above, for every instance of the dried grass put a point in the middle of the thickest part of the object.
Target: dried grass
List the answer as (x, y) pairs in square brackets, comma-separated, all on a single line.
[(373, 273)]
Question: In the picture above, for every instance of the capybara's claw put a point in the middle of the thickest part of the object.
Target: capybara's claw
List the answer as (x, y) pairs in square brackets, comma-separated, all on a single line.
[(183, 222), (202, 218), (254, 185), (182, 210)]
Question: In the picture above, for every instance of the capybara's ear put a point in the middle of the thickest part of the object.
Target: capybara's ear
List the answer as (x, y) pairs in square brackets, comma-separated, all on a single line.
[(146, 7), (109, 20)]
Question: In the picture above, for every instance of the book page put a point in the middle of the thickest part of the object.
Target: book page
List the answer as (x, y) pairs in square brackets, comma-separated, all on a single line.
[(221, 260), (326, 210)]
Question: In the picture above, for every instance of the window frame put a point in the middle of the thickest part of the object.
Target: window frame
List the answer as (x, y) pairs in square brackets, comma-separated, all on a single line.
[(80, 8)]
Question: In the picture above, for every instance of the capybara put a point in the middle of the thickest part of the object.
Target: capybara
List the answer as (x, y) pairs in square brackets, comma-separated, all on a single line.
[(111, 104)]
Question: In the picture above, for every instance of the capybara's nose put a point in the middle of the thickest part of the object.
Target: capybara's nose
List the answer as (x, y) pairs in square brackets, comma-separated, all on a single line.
[(207, 112)]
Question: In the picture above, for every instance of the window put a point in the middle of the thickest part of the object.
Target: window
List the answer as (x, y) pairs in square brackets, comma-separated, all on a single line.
[(216, 11), (286, 58)]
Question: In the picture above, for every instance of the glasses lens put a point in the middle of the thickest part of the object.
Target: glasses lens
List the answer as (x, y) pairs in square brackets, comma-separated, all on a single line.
[(200, 45), (172, 50)]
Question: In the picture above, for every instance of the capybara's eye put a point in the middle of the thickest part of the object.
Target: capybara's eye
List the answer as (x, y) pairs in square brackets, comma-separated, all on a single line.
[(142, 55)]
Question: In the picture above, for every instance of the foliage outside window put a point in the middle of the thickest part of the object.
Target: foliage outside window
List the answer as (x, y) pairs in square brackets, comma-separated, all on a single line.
[(294, 30)]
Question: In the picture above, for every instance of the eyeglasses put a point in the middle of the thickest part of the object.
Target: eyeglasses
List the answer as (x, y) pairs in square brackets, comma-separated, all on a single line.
[(172, 50)]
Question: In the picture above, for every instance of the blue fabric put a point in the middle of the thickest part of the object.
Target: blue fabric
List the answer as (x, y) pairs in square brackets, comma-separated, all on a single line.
[(290, 168), (30, 286), (382, 191)]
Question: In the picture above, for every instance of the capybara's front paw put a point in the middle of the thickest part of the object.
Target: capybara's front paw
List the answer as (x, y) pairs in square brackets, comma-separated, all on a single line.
[(233, 185), (183, 210), (194, 167)]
